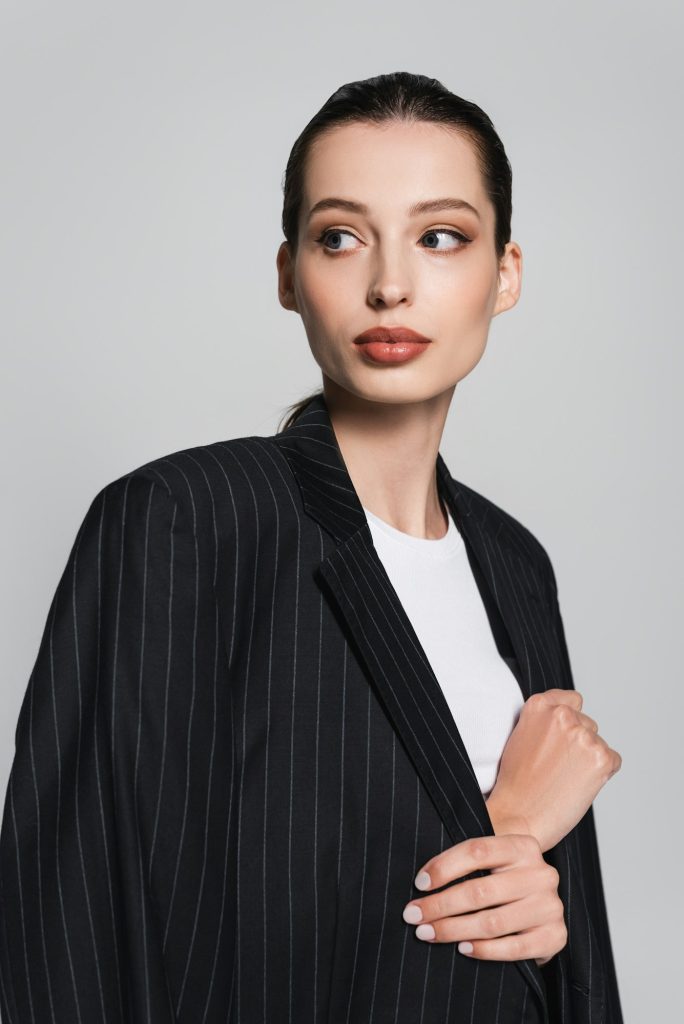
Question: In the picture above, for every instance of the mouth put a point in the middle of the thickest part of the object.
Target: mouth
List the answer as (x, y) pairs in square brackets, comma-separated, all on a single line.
[(390, 336)]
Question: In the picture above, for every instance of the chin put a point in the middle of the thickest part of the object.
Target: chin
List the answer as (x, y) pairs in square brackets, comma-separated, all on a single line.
[(394, 392)]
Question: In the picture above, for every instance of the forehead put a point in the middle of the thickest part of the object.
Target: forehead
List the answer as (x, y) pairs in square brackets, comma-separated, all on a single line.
[(394, 164)]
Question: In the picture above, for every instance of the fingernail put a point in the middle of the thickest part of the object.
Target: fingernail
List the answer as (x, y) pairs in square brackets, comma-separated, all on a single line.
[(423, 880), (412, 914), (425, 931), (465, 947)]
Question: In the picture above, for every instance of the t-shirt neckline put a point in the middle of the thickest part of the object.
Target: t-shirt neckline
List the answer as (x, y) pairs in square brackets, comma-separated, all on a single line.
[(437, 547)]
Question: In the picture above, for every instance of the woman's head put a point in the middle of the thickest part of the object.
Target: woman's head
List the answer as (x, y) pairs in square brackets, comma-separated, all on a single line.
[(386, 144)]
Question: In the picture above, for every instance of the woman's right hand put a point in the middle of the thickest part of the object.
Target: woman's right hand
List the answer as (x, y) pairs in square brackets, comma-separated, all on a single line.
[(553, 765)]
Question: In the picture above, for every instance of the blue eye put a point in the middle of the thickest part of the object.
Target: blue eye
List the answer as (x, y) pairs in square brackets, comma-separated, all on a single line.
[(447, 231), (329, 233)]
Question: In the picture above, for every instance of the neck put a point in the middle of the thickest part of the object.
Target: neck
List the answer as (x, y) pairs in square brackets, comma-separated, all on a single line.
[(390, 451)]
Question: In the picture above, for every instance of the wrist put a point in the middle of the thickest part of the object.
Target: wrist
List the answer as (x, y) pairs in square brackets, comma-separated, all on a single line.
[(505, 822)]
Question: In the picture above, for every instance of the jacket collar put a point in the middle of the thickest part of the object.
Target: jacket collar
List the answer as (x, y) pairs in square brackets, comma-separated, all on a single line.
[(330, 498)]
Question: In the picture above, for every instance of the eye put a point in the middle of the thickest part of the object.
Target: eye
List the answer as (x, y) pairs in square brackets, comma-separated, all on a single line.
[(333, 233), (447, 231)]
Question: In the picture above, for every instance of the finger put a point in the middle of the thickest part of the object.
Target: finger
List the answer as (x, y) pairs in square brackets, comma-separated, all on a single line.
[(476, 894), (544, 941), (556, 696), (520, 915), (476, 854)]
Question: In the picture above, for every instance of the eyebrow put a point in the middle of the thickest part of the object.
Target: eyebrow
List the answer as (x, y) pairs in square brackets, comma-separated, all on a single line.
[(425, 206)]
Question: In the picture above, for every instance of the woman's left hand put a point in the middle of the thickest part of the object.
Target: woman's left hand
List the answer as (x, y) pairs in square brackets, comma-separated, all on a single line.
[(514, 913)]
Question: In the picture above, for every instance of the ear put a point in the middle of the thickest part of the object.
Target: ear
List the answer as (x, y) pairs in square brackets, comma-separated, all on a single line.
[(285, 266), (510, 278)]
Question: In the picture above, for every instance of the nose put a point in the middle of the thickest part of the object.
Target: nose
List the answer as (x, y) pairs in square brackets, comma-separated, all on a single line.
[(391, 284)]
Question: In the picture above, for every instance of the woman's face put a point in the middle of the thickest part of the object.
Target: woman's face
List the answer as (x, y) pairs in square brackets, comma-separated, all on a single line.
[(434, 271)]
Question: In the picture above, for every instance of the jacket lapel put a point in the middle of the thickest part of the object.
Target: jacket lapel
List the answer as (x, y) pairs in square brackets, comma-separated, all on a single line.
[(505, 579), (353, 574)]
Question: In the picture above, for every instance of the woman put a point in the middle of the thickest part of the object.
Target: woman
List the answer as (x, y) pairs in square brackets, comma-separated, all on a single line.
[(298, 693)]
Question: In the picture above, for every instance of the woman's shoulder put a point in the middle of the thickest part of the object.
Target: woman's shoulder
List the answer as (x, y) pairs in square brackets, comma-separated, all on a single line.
[(198, 479)]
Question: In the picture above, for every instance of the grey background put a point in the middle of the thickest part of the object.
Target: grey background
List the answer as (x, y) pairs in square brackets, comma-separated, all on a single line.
[(143, 152)]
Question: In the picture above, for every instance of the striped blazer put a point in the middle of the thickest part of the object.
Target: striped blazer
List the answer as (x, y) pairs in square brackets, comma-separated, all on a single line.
[(233, 756)]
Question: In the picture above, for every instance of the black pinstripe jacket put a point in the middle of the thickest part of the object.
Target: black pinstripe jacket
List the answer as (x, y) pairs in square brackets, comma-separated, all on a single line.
[(233, 756)]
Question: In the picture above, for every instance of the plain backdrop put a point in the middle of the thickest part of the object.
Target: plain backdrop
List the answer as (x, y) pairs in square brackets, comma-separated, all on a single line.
[(143, 149)]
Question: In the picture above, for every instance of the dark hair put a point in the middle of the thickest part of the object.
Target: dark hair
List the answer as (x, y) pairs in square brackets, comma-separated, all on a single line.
[(400, 96)]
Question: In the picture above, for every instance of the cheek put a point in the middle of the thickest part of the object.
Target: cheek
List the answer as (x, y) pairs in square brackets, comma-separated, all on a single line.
[(471, 290), (321, 295), (322, 304)]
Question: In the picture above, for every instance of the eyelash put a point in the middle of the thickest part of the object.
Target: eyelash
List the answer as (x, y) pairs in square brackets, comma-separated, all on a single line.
[(447, 231)]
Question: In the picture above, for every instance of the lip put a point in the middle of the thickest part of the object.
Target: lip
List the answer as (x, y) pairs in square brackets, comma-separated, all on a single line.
[(391, 346), (390, 336)]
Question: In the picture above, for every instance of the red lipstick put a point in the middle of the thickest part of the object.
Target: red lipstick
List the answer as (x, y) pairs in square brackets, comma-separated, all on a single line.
[(391, 344)]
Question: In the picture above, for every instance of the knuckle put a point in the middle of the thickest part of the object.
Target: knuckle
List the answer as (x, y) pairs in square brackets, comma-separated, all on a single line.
[(479, 849), (558, 918), (554, 876), (520, 950), (586, 737), (602, 759), (563, 714), (491, 924), (434, 908), (481, 893)]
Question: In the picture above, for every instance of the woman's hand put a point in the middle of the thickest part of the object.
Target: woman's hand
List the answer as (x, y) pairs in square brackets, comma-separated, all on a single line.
[(515, 913), (551, 769)]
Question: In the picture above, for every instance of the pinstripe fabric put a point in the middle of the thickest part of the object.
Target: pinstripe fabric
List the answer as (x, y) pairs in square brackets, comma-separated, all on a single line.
[(233, 756)]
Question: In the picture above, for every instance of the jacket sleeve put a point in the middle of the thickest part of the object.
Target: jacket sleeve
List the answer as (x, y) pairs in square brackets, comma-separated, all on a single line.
[(96, 821), (585, 846)]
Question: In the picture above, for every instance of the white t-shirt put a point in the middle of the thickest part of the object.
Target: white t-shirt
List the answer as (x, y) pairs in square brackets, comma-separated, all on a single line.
[(436, 586)]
